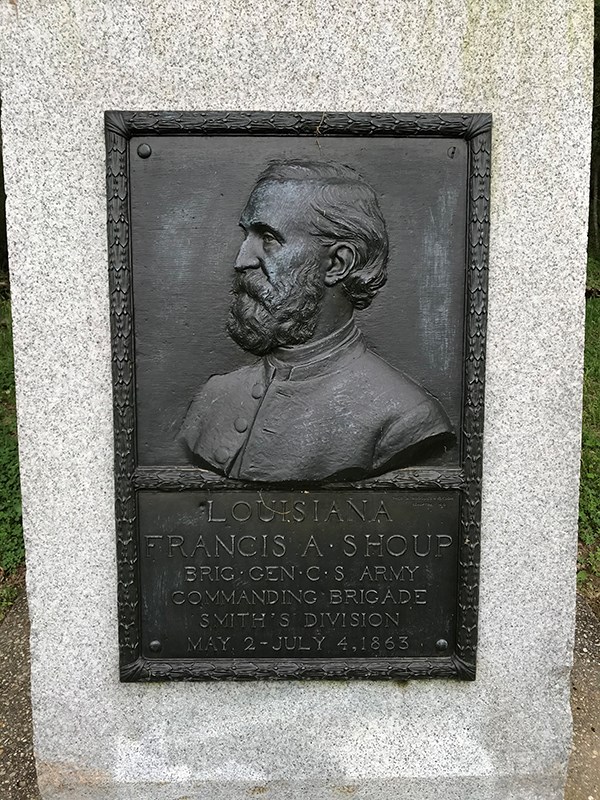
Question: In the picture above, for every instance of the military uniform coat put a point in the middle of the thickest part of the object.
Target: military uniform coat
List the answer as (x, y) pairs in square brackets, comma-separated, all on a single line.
[(330, 408)]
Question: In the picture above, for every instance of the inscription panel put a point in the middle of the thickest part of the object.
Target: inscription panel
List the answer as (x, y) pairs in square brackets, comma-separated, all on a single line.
[(316, 574)]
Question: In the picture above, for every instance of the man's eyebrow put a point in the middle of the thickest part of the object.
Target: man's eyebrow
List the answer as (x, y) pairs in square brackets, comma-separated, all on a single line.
[(262, 227)]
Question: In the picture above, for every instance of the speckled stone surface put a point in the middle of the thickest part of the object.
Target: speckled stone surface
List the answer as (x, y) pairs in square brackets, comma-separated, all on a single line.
[(504, 737)]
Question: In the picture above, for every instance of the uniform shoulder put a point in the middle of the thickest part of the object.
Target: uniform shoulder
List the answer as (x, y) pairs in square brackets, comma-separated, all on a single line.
[(410, 416), (394, 386), (218, 392), (228, 381)]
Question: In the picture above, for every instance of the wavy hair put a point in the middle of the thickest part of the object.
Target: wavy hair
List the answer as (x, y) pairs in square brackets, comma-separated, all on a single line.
[(346, 209)]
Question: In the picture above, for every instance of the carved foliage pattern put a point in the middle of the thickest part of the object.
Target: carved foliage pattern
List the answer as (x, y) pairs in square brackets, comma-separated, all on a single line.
[(123, 389), (400, 669), (173, 478), (472, 446), (120, 126), (148, 123)]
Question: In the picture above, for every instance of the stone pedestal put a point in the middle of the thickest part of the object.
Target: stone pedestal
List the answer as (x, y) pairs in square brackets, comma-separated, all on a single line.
[(503, 737)]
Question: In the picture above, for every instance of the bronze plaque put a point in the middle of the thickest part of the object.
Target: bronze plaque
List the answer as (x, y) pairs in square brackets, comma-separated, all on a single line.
[(298, 315)]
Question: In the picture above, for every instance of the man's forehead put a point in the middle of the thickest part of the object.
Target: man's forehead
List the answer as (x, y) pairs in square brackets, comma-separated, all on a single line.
[(281, 205)]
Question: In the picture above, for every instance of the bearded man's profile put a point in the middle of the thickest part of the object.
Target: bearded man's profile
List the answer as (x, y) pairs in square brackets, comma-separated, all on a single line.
[(318, 403)]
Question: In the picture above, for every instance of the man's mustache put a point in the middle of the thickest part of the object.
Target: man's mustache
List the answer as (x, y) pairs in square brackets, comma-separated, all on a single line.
[(252, 284)]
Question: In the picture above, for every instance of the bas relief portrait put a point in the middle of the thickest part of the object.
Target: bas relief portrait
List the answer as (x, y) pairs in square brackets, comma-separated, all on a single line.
[(318, 403)]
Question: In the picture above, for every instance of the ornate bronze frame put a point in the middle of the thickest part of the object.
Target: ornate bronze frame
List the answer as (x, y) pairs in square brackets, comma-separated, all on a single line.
[(129, 478)]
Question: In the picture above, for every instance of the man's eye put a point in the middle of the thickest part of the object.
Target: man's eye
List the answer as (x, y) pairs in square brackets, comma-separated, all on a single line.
[(268, 238)]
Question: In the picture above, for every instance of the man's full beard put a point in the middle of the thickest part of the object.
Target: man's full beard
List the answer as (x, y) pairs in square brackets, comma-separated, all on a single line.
[(262, 317)]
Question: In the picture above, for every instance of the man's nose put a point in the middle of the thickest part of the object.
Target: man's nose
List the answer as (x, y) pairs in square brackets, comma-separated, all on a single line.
[(247, 257)]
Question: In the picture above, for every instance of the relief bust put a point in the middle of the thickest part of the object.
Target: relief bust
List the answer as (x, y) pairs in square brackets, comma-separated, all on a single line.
[(318, 404)]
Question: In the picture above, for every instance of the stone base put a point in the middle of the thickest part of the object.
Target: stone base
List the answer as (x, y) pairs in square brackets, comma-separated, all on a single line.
[(488, 788)]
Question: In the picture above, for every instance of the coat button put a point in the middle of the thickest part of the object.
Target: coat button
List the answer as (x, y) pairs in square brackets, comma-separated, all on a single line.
[(221, 454), (241, 424), (257, 391)]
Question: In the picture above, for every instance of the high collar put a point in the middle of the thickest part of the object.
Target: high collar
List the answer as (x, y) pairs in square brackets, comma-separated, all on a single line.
[(318, 357)]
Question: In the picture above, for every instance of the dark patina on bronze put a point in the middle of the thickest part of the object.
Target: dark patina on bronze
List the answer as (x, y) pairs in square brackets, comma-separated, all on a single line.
[(310, 509), (315, 250)]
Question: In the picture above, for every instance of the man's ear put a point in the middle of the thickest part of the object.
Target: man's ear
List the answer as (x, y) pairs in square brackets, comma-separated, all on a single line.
[(342, 258)]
